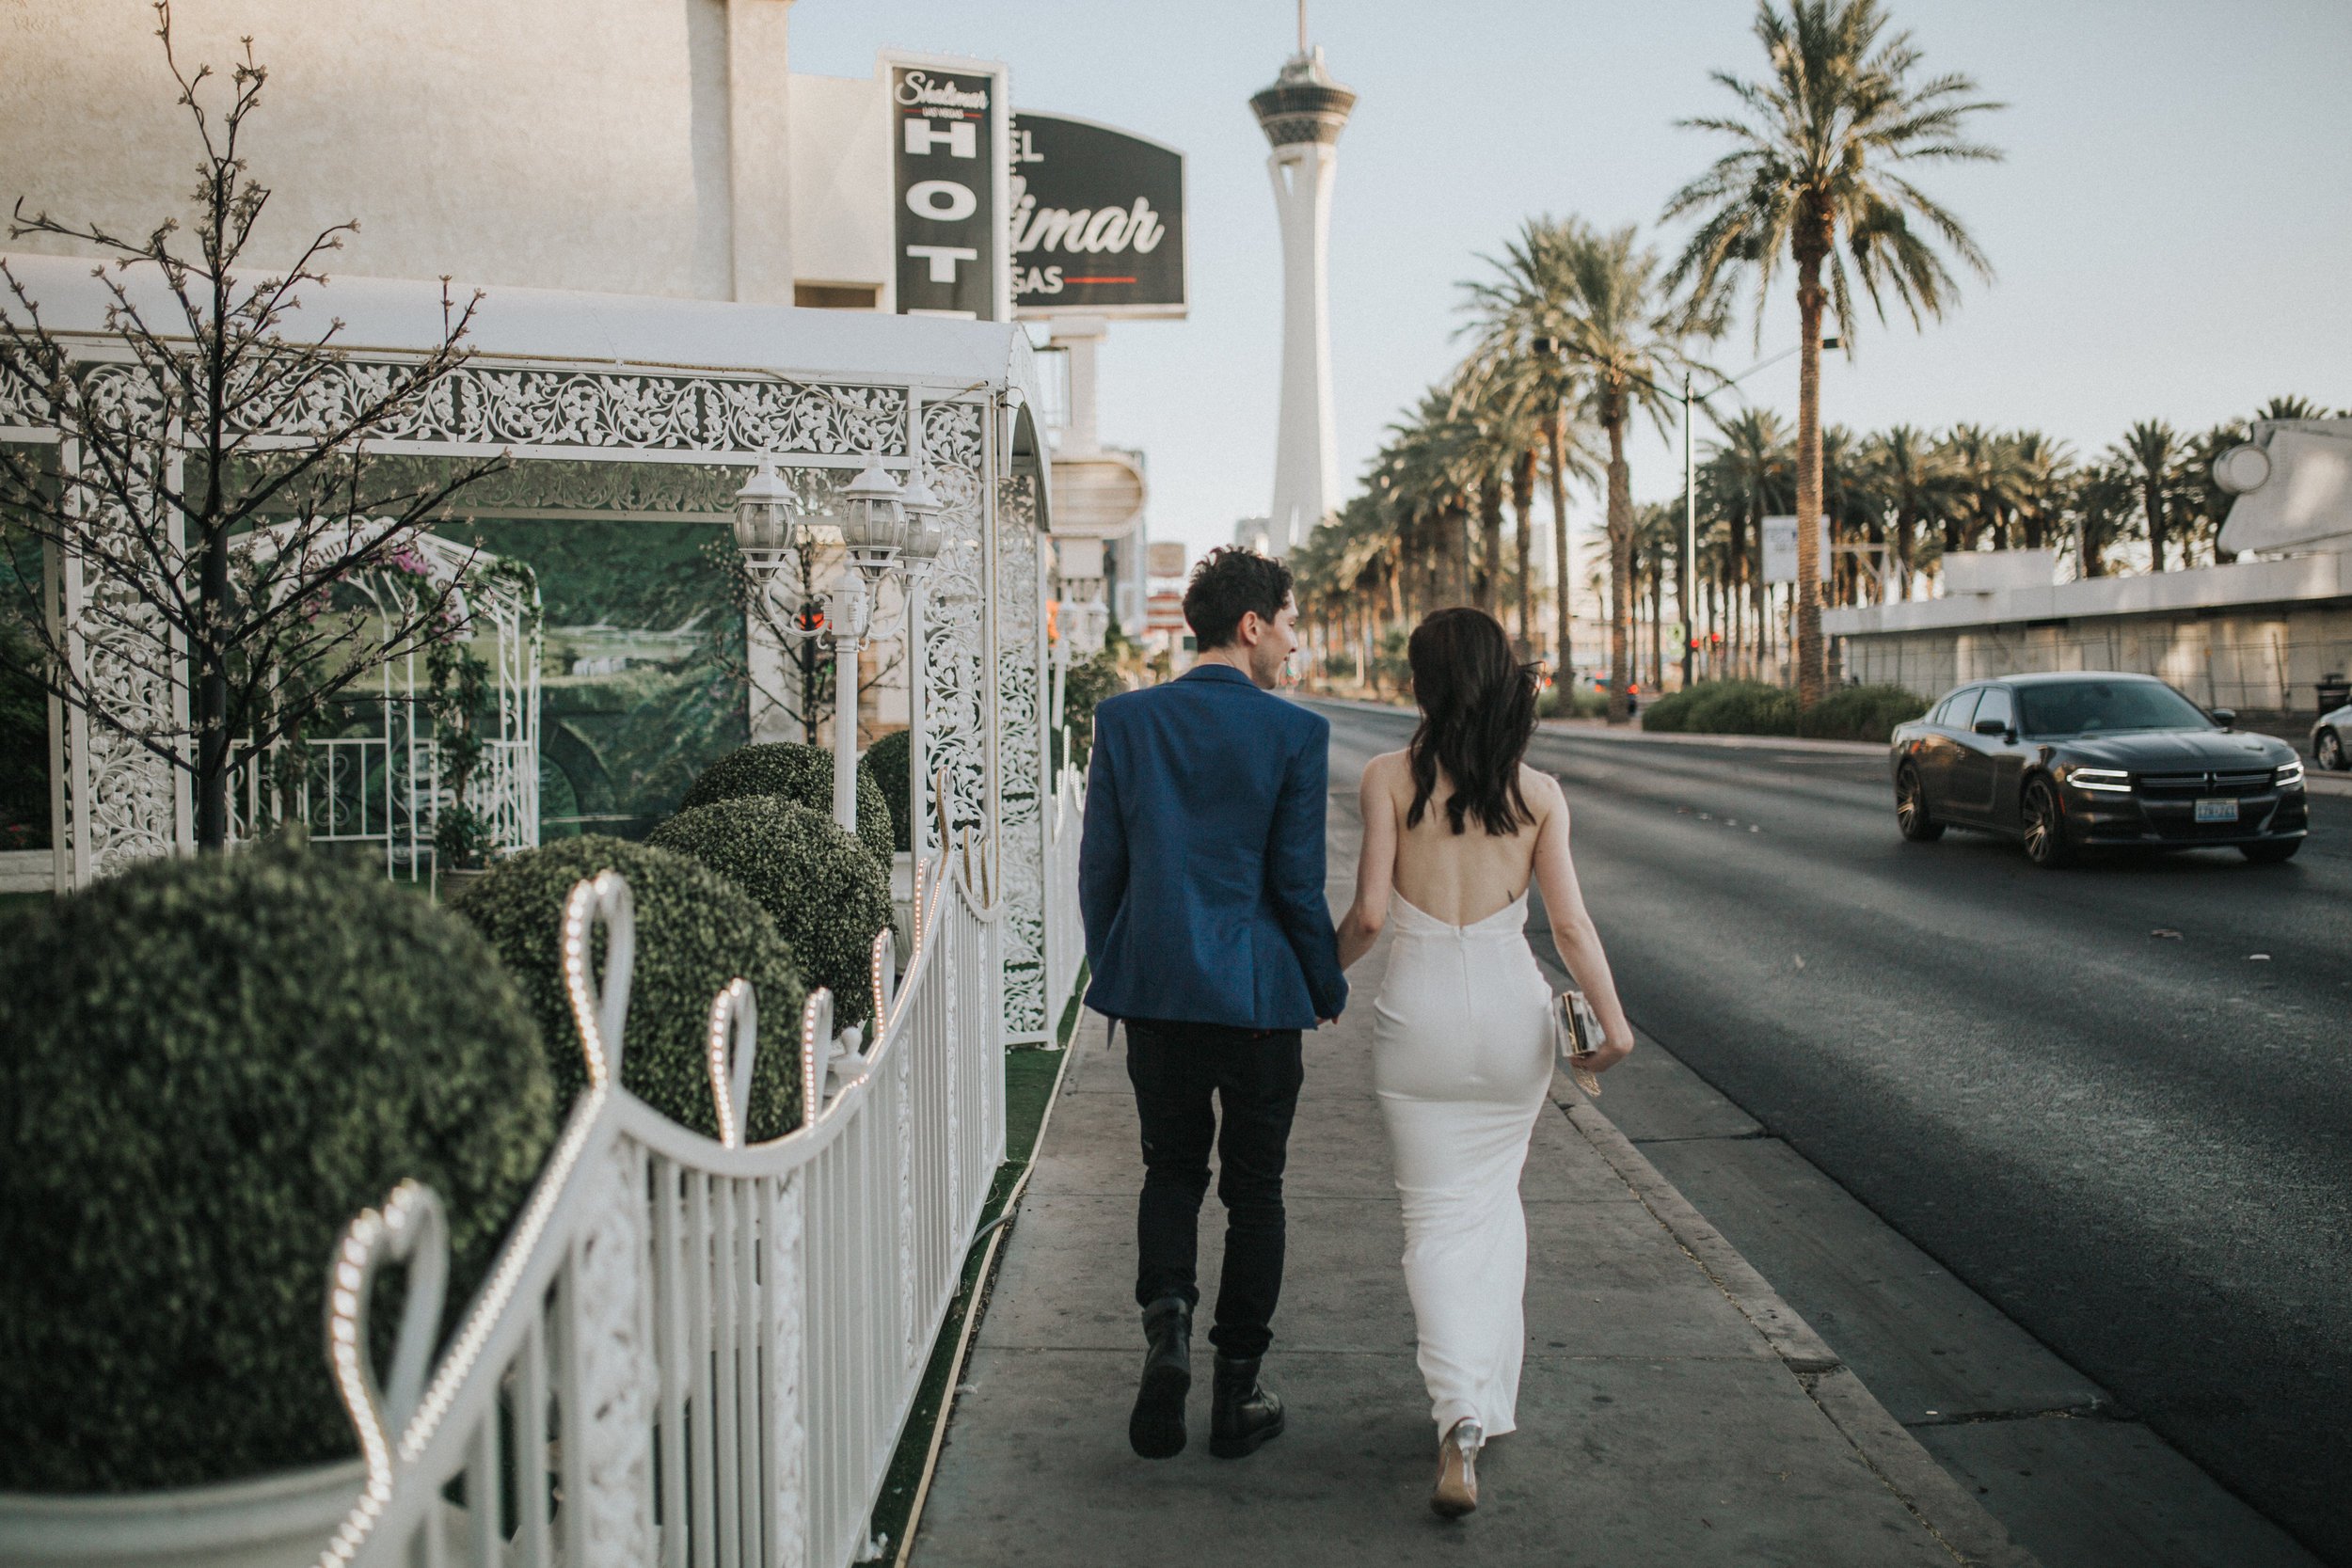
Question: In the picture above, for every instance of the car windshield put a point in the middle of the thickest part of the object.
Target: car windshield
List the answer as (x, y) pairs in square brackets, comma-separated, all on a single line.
[(2102, 707)]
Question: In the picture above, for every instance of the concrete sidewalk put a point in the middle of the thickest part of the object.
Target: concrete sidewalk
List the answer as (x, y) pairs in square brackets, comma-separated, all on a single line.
[(1673, 1409)]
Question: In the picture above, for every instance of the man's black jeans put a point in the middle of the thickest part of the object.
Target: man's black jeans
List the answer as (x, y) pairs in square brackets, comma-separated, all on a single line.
[(1254, 1075)]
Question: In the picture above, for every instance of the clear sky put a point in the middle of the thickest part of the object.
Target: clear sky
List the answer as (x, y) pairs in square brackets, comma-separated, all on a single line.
[(2171, 230)]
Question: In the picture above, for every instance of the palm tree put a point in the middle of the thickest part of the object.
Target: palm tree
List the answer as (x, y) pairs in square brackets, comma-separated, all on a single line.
[(1508, 312), (1820, 141), (1988, 480), (2103, 498), (1746, 478), (1913, 479), (2150, 452), (1597, 297), (2045, 468)]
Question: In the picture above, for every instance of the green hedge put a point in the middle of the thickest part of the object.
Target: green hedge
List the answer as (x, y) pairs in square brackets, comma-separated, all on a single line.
[(1087, 686), (211, 1067), (890, 759), (1861, 713), (825, 893), (695, 932), (802, 775), (1751, 707)]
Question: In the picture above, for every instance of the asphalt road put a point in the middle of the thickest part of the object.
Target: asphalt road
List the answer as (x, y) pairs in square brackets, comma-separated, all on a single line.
[(2116, 1101)]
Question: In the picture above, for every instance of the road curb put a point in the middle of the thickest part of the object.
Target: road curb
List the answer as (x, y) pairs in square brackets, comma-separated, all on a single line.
[(1945, 1508)]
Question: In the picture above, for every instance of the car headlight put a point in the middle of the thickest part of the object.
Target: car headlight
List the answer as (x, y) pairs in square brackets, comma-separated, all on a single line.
[(2107, 781), (2290, 774)]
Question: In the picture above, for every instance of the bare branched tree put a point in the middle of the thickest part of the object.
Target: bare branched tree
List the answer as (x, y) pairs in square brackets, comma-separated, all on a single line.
[(209, 486)]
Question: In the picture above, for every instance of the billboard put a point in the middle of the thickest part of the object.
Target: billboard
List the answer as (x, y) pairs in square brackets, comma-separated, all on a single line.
[(1097, 223), (947, 129)]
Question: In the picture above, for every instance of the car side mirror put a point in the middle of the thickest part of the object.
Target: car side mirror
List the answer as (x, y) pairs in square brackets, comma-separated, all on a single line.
[(1991, 726), (2225, 716)]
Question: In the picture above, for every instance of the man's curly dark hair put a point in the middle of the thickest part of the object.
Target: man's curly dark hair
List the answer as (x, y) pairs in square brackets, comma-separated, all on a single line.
[(1229, 583)]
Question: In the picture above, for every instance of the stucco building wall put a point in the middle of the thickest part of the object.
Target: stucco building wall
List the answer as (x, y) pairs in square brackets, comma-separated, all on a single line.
[(613, 145)]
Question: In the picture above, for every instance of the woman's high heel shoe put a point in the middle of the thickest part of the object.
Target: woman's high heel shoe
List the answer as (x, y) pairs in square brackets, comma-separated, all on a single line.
[(1458, 1470)]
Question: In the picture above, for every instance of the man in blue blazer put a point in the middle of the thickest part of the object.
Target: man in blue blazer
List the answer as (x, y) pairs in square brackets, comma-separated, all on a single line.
[(1200, 877)]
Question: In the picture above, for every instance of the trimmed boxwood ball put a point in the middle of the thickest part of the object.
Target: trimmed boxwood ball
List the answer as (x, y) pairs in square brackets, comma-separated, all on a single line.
[(824, 892), (211, 1067), (802, 775), (695, 932), (889, 759)]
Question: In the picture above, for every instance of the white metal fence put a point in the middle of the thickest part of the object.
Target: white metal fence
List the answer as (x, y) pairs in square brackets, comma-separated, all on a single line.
[(1065, 935), (690, 1353)]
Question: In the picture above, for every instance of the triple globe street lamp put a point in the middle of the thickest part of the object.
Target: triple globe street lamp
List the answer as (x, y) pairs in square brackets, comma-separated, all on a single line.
[(889, 529)]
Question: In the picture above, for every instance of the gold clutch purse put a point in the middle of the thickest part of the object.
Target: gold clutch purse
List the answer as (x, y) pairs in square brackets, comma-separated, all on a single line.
[(1576, 1034)]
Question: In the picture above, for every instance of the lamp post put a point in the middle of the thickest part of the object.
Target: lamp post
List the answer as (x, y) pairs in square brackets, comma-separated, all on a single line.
[(887, 531)]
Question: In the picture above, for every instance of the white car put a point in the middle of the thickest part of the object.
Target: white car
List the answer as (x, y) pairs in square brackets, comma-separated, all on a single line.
[(2328, 739)]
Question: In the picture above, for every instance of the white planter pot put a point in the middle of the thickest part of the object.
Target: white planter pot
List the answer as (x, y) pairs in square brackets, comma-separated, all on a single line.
[(281, 1521)]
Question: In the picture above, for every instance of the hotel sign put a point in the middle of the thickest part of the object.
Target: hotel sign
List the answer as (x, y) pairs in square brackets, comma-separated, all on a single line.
[(948, 135), (1097, 222)]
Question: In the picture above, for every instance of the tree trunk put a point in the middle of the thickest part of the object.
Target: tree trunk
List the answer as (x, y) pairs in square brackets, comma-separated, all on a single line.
[(1658, 628), (2151, 501), (1809, 594), (1620, 566), (1561, 563), (1490, 541), (1458, 535), (1523, 502)]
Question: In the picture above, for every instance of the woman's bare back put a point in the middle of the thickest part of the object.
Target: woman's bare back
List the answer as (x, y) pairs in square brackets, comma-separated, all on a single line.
[(1457, 877)]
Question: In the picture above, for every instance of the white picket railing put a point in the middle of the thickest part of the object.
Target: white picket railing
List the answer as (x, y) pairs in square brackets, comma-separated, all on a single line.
[(691, 1354), (1065, 934)]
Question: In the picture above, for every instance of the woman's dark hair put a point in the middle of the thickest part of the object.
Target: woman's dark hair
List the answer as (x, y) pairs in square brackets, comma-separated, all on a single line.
[(1228, 584), (1477, 711)]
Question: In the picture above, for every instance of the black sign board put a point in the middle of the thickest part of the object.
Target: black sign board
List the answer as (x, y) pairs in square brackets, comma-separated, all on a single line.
[(942, 125), (1098, 220)]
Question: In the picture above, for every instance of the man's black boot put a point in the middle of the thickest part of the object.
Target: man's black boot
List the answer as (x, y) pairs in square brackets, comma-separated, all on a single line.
[(1156, 1430), (1245, 1412)]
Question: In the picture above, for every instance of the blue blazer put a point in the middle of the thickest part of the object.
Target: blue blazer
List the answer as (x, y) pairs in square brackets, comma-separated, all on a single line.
[(1201, 873)]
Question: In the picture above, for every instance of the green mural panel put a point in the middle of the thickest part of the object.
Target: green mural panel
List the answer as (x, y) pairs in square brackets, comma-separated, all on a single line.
[(641, 675)]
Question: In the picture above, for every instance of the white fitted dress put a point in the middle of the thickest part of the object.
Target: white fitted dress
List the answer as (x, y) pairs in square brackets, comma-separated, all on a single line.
[(1461, 1061)]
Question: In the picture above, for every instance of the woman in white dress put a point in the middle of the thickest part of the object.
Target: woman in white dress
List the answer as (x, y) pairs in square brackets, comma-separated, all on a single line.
[(1455, 829)]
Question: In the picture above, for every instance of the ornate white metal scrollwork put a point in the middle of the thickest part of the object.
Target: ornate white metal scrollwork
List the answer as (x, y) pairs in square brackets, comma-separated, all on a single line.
[(614, 1387)]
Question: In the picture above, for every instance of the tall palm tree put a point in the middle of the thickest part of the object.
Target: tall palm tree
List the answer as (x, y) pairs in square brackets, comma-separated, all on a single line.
[(1598, 298), (1820, 140), (1531, 294), (2151, 453)]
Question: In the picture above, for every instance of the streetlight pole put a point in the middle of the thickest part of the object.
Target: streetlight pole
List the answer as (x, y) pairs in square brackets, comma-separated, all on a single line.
[(887, 531), (1690, 535)]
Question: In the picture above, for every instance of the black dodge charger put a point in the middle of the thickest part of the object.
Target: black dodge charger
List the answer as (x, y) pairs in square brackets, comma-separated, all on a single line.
[(2070, 759)]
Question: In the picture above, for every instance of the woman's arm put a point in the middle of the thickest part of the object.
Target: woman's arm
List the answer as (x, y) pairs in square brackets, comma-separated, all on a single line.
[(1374, 867), (1573, 933)]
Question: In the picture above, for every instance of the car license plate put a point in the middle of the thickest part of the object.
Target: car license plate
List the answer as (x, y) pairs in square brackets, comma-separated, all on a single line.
[(2217, 810)]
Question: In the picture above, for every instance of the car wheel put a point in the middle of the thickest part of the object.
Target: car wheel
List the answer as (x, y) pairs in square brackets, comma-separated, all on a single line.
[(2273, 852), (2330, 749), (2045, 828), (1911, 809)]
